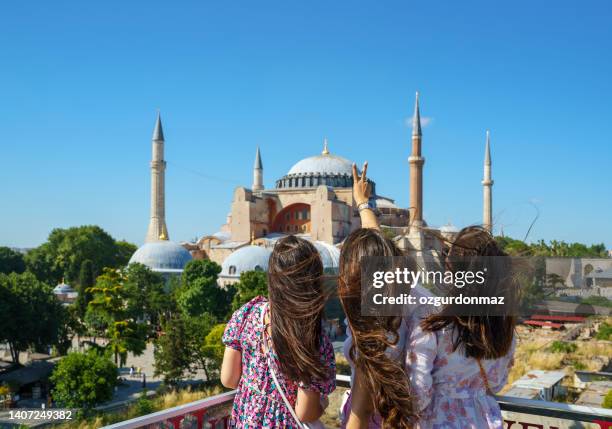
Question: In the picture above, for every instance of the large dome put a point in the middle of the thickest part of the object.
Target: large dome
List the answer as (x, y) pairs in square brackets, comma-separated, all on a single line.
[(246, 258), (162, 256), (323, 164), (325, 169)]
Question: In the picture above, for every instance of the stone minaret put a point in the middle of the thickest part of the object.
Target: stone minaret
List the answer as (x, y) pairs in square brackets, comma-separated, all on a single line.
[(487, 190), (416, 170), (257, 173), (157, 225)]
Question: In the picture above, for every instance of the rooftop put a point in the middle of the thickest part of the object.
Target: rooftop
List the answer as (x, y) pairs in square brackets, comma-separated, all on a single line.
[(539, 379)]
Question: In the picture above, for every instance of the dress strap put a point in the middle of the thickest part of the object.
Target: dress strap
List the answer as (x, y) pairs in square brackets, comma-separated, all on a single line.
[(483, 375)]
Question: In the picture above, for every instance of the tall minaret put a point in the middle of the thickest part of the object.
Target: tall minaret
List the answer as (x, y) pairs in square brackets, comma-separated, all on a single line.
[(257, 173), (416, 170), (487, 190), (157, 225)]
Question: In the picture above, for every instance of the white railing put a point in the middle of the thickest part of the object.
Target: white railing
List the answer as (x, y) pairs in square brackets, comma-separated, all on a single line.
[(518, 414)]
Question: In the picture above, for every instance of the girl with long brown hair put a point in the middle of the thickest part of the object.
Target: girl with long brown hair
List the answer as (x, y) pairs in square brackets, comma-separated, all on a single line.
[(277, 355), (459, 357), (380, 392)]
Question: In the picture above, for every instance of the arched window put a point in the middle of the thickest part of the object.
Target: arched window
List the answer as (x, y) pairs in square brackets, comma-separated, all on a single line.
[(588, 281), (232, 269)]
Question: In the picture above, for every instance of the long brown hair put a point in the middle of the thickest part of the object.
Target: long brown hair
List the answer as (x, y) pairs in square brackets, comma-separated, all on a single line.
[(296, 308), (383, 377), (481, 336)]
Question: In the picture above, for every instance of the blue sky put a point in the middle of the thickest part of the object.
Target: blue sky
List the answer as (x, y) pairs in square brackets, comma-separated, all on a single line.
[(80, 83)]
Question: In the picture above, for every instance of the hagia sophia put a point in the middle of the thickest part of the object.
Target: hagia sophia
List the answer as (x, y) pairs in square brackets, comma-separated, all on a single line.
[(313, 200)]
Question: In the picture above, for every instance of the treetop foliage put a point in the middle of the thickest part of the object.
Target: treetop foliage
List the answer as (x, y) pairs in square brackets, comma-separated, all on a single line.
[(30, 314), (11, 261), (62, 255), (553, 248)]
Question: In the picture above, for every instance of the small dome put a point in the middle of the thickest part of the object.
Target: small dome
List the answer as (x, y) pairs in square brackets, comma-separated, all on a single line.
[(162, 256), (246, 258), (384, 203), (449, 228), (323, 164), (222, 235), (63, 288), (330, 256)]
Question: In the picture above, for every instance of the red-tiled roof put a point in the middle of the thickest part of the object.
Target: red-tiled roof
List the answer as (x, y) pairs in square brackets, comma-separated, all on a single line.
[(543, 324)]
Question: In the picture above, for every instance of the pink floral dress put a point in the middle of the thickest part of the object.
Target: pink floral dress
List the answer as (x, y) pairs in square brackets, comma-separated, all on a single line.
[(257, 403), (449, 390)]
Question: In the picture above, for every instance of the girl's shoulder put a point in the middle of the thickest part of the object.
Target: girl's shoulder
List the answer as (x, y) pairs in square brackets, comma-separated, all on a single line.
[(243, 323), (250, 310)]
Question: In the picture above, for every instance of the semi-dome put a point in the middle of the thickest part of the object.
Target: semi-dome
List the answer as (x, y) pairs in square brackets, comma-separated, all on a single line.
[(162, 256), (247, 258)]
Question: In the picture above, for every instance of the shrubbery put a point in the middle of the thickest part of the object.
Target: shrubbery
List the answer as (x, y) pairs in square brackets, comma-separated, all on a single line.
[(562, 347), (607, 402), (604, 332), (84, 380)]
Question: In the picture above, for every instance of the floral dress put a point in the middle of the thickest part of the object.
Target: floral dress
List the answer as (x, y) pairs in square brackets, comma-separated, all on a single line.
[(448, 387), (257, 403)]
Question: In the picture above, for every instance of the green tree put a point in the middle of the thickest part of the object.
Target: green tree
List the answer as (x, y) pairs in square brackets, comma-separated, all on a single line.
[(86, 282), (41, 262), (145, 296), (83, 380), (199, 292), (250, 285), (553, 248), (109, 296), (607, 402), (554, 279), (66, 250), (126, 336), (11, 261), (197, 328), (31, 316), (123, 252), (173, 351), (109, 311), (513, 247), (212, 351)]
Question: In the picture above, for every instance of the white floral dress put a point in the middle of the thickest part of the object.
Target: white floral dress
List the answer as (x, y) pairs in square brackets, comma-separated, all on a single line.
[(448, 387)]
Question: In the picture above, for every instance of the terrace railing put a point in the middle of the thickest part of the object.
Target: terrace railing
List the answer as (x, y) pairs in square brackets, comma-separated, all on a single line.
[(518, 413)]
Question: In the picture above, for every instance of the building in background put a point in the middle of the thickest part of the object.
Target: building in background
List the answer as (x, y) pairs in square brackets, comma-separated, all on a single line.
[(65, 293)]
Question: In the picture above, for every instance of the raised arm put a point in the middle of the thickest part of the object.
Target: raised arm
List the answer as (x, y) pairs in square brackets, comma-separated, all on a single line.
[(361, 195)]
